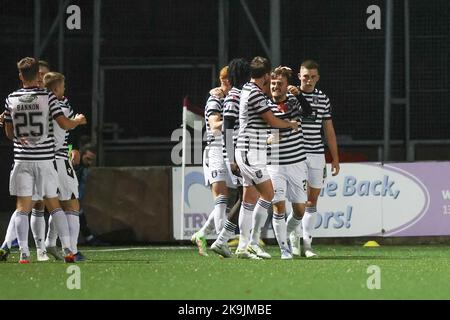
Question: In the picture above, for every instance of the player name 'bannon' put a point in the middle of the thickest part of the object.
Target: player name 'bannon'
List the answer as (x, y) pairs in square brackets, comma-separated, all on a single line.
[(25, 107)]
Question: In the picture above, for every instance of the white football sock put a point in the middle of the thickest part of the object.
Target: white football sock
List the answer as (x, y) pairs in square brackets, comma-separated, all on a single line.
[(245, 224), (62, 227), (298, 230), (37, 223), (307, 224), (259, 220), (220, 208), (280, 229), (11, 233), (52, 235), (292, 223), (226, 233), (22, 227), (208, 227), (73, 220)]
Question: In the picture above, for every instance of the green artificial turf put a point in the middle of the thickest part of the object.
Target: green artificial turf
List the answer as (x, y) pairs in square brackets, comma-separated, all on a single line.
[(341, 272)]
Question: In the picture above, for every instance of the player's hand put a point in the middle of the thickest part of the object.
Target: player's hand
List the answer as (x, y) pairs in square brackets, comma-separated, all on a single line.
[(294, 125), (75, 156), (294, 90), (80, 118), (23, 141), (335, 168), (216, 132), (235, 169), (2, 119), (217, 92), (273, 138)]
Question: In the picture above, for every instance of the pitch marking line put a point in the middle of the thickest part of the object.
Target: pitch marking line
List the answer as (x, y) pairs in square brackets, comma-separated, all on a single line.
[(141, 248)]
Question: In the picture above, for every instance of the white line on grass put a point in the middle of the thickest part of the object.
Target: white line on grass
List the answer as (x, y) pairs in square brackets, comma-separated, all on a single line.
[(139, 248)]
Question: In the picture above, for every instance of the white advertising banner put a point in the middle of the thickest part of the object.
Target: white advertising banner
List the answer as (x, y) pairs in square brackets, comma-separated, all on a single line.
[(365, 199)]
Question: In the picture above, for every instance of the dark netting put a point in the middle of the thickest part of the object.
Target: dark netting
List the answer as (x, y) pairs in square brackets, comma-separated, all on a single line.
[(16, 41), (243, 41), (332, 32), (159, 28), (430, 55), (351, 58), (148, 103)]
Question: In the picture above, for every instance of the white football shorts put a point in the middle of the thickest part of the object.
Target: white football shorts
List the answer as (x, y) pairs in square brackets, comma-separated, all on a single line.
[(34, 179), (289, 182), (317, 170)]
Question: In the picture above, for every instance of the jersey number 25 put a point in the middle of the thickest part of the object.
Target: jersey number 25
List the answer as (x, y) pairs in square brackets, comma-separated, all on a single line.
[(27, 124)]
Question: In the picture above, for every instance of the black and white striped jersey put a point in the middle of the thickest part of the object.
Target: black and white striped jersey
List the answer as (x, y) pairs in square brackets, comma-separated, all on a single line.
[(253, 129), (61, 135), (231, 110), (312, 125), (31, 110), (290, 148), (214, 105)]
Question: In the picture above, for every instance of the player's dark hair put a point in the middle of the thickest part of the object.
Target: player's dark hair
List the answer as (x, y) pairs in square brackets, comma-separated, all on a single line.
[(28, 68), (238, 72), (310, 64), (259, 67)]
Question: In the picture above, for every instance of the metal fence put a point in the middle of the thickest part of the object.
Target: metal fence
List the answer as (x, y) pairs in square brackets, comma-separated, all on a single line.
[(352, 58)]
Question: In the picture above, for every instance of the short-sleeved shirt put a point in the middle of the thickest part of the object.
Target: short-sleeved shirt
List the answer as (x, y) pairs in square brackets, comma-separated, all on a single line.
[(31, 110), (312, 125), (253, 129), (290, 148)]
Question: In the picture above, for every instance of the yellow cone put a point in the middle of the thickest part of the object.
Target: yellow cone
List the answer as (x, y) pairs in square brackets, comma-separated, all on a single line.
[(371, 244)]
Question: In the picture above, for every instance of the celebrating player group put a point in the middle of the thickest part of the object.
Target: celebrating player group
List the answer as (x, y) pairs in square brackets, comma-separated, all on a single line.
[(37, 118), (265, 145)]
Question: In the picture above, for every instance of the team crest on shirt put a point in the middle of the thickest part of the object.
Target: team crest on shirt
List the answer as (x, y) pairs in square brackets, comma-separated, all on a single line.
[(311, 118), (259, 174), (27, 98), (214, 173), (315, 100)]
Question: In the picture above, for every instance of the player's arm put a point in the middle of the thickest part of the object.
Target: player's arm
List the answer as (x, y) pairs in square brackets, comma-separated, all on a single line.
[(275, 122), (2, 119), (330, 135), (57, 114), (75, 157), (215, 123), (69, 124), (230, 116), (74, 154), (227, 134), (294, 90), (217, 92), (306, 109), (7, 122), (9, 130)]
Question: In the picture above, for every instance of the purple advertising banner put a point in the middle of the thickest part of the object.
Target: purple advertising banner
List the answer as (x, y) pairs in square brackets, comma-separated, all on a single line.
[(434, 216)]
